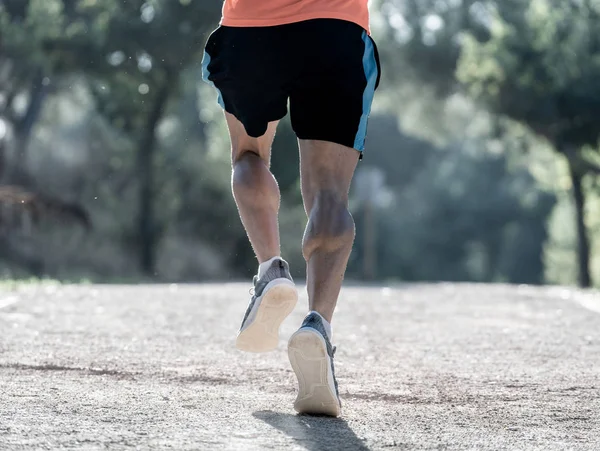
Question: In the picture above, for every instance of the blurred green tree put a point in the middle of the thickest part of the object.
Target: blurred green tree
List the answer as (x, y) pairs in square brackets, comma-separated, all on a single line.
[(134, 55), (540, 67), (421, 39), (457, 213), (24, 73)]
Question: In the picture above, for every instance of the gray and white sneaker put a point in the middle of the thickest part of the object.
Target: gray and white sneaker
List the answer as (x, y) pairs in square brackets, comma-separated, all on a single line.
[(274, 298), (311, 355)]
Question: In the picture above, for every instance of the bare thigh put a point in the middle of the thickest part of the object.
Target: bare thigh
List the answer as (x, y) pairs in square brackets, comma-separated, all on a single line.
[(241, 142)]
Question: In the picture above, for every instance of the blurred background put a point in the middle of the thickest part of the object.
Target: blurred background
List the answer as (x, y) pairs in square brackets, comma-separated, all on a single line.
[(482, 160)]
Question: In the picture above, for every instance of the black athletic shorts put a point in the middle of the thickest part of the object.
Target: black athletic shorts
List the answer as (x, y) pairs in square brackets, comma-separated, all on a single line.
[(328, 69)]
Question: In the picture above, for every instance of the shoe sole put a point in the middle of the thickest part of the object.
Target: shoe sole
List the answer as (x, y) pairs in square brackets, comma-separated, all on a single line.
[(262, 335), (307, 352)]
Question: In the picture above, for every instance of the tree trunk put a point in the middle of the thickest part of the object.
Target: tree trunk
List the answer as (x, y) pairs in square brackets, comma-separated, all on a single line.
[(2, 158), (146, 221), (583, 245), (370, 242), (24, 127)]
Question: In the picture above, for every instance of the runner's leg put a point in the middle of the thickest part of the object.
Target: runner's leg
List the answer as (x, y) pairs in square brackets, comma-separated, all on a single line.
[(326, 173), (254, 187)]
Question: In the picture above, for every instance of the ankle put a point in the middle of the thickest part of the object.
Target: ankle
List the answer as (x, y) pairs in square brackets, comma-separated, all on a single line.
[(264, 266), (326, 324)]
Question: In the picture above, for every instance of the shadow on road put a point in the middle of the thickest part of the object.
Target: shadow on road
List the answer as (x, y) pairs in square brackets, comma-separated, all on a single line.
[(314, 433)]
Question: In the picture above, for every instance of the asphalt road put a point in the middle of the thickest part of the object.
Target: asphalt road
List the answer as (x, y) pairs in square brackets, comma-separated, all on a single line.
[(420, 367)]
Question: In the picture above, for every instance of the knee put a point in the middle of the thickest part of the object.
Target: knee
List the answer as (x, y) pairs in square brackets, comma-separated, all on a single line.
[(252, 181), (247, 170), (251, 173), (330, 225)]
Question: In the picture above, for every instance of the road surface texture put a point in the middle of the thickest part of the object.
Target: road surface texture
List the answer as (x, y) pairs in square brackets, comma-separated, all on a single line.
[(421, 367)]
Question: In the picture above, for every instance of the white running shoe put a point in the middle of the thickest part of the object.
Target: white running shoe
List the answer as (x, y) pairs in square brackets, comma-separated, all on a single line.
[(311, 355), (274, 298)]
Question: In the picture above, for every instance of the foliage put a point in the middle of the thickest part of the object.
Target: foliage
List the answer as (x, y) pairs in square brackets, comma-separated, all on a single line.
[(457, 213), (540, 68), (103, 105)]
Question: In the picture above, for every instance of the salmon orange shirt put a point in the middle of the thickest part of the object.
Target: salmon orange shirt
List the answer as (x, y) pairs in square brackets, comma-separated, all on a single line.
[(266, 13)]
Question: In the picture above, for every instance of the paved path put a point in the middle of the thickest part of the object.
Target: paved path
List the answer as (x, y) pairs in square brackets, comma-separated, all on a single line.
[(421, 367)]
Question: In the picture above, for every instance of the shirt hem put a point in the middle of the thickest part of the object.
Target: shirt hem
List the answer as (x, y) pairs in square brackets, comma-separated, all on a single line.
[(241, 23)]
